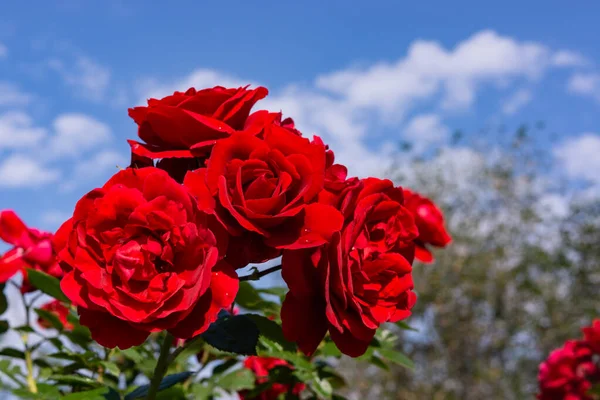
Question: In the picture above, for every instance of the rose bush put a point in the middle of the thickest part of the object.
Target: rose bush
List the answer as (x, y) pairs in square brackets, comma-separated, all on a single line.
[(139, 257), (149, 260)]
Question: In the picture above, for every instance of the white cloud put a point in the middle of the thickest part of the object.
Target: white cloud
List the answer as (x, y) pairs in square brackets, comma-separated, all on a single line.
[(579, 157), (3, 51), (76, 133), (424, 130), (585, 84), (517, 101), (11, 95), (88, 78), (19, 171), (18, 131), (52, 219), (428, 68), (567, 58), (200, 78)]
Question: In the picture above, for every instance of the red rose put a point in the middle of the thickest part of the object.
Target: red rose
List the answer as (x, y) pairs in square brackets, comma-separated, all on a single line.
[(188, 124), (139, 257), (430, 222), (261, 367), (358, 280), (568, 373), (60, 311), (32, 249), (261, 186), (592, 335)]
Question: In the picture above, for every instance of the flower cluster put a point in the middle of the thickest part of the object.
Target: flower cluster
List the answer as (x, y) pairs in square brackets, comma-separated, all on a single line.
[(572, 370), (213, 187)]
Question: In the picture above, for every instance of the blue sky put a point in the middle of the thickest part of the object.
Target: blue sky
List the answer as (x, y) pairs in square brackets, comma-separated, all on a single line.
[(365, 76)]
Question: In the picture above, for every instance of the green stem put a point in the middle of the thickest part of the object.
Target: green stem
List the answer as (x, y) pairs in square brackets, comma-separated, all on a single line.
[(256, 275), (29, 364), (161, 367)]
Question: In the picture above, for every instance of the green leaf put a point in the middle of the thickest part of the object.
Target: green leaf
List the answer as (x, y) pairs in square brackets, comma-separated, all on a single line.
[(133, 355), (79, 335), (250, 299), (103, 393), (202, 392), (272, 331), (405, 326), (397, 358), (167, 382), (219, 369), (235, 334), (24, 329), (3, 301), (4, 326), (50, 317), (236, 381), (45, 392), (378, 362), (111, 368), (329, 349), (173, 393), (322, 387), (276, 291), (46, 283), (11, 352), (74, 380)]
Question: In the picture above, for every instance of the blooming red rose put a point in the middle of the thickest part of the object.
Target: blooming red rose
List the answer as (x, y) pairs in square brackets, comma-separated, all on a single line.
[(430, 221), (359, 279), (261, 367), (32, 249), (592, 335), (568, 373), (188, 124), (139, 257), (262, 185), (60, 311)]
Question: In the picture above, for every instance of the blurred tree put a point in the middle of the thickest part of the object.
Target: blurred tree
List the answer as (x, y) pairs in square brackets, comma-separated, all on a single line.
[(520, 277)]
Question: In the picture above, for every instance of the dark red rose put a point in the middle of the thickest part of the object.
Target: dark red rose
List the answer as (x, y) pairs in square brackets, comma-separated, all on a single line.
[(139, 257), (60, 311), (261, 367), (358, 280), (32, 249), (592, 335), (187, 125), (430, 222), (568, 373)]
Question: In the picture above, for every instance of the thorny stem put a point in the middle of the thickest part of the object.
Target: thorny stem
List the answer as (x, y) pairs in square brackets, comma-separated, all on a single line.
[(256, 275), (161, 366)]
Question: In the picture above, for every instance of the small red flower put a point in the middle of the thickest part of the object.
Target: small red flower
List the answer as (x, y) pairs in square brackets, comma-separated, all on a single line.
[(430, 221), (32, 249), (261, 367), (568, 373), (139, 257), (60, 311)]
